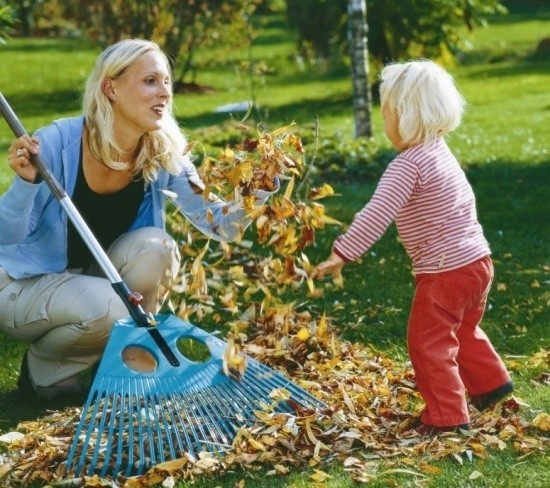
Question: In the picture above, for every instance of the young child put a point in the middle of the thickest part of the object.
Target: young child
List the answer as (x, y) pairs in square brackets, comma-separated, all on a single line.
[(426, 192)]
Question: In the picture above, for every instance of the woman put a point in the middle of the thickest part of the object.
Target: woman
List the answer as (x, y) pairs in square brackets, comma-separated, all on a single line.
[(116, 162)]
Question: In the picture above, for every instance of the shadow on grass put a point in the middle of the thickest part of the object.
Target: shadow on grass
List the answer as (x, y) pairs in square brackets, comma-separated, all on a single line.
[(44, 104), (14, 406), (521, 67), (303, 111), (17, 408), (519, 10), (64, 45), (513, 197)]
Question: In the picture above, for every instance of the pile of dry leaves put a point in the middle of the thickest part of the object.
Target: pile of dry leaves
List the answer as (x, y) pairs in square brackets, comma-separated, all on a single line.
[(370, 399)]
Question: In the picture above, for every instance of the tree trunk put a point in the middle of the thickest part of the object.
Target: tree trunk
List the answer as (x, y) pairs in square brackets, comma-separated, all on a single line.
[(24, 13), (357, 37)]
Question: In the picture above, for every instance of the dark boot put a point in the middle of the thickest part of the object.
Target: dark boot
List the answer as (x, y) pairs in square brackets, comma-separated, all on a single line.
[(24, 383), (66, 389), (489, 399), (427, 430)]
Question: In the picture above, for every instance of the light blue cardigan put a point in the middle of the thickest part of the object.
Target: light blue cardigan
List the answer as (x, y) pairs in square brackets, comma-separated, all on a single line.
[(33, 225)]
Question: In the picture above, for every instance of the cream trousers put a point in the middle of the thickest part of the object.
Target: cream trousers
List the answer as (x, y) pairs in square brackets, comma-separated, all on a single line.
[(66, 317)]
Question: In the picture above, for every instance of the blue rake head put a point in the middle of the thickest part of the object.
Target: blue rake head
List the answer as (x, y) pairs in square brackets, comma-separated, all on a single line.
[(142, 411)]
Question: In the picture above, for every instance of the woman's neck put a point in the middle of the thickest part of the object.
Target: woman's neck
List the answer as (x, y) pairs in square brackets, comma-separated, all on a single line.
[(128, 143), (100, 177)]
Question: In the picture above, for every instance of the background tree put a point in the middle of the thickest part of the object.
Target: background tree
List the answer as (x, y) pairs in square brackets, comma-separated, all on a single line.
[(180, 28), (430, 28), (357, 40), (397, 28), (24, 11), (320, 26)]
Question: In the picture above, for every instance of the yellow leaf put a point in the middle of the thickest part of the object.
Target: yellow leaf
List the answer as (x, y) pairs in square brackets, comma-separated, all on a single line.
[(338, 280), (329, 220), (347, 401), (310, 434), (290, 188), (256, 444), (324, 191), (322, 326), (280, 469), (282, 130), (303, 334), (233, 361), (542, 422), (429, 468), (280, 394), (320, 476)]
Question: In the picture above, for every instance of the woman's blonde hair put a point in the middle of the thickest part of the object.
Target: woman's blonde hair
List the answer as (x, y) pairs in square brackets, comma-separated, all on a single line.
[(424, 98), (162, 148)]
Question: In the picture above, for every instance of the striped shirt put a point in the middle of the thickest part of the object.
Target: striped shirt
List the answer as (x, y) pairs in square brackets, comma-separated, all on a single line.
[(426, 192)]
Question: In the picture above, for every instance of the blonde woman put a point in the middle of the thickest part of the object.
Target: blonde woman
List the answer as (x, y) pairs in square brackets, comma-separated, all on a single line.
[(115, 162), (426, 192)]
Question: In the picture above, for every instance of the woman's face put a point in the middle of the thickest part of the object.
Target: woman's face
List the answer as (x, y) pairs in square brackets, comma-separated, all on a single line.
[(141, 94), (391, 128)]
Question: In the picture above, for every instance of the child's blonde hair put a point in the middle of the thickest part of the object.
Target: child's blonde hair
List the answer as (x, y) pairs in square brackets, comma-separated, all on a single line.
[(163, 148), (424, 98)]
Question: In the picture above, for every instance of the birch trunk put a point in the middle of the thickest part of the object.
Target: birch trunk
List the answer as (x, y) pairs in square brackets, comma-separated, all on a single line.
[(357, 36)]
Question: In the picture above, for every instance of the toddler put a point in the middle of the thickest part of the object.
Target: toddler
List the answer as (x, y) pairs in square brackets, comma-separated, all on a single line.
[(426, 192)]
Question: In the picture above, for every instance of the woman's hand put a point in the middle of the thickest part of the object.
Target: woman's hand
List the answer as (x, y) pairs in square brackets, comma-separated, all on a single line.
[(332, 265), (19, 157)]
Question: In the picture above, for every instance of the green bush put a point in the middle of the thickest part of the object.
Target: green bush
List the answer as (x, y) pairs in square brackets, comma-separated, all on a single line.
[(331, 157), (349, 159)]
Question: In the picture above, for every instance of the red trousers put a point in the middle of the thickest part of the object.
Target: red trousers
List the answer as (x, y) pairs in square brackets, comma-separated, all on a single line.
[(450, 354)]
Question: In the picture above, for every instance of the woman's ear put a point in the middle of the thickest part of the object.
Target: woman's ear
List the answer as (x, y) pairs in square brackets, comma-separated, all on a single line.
[(108, 89)]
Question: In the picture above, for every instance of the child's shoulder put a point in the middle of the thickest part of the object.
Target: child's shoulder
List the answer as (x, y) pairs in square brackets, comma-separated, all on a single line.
[(422, 153)]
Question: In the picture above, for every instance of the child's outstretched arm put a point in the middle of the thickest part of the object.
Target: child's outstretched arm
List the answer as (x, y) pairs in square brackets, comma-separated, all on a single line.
[(332, 265)]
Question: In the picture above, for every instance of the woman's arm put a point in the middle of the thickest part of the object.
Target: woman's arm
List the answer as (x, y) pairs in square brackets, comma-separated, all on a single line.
[(15, 211), (216, 218)]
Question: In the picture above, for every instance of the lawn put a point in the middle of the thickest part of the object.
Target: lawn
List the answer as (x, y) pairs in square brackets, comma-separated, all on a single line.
[(503, 144)]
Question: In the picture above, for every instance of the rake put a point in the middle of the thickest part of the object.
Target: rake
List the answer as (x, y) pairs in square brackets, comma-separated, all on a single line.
[(149, 402)]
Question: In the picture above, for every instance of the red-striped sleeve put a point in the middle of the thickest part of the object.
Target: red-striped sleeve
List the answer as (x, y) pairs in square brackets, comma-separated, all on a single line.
[(392, 193)]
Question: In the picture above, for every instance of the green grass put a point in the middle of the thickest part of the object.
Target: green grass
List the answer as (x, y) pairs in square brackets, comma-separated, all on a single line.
[(511, 474), (503, 144)]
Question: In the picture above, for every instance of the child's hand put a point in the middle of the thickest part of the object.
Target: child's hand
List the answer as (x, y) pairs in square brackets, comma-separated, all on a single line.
[(332, 265)]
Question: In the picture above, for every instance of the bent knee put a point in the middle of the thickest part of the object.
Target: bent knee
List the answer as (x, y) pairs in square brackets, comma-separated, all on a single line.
[(98, 310), (151, 243), (163, 247)]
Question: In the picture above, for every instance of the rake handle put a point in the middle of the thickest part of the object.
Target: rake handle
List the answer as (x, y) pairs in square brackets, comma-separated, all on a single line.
[(121, 288)]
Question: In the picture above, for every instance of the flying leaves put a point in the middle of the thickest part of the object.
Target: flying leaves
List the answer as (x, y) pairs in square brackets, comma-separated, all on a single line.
[(286, 223)]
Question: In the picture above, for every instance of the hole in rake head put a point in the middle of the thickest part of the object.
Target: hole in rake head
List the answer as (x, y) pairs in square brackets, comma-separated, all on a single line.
[(139, 359), (193, 349)]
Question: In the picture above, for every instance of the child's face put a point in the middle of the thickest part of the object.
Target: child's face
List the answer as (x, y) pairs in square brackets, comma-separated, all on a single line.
[(391, 128)]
